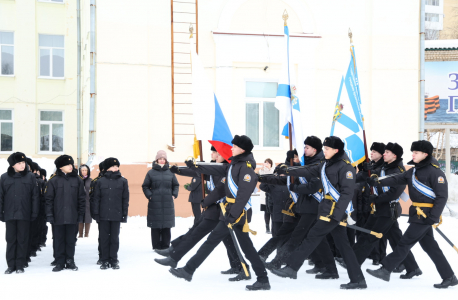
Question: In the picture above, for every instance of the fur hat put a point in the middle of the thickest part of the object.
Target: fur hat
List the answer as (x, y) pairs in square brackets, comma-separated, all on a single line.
[(423, 146), (43, 172), (379, 147), (314, 142), (334, 142), (29, 161), (15, 158), (395, 148), (243, 142), (160, 154), (63, 161), (110, 162), (102, 166), (213, 149), (34, 167)]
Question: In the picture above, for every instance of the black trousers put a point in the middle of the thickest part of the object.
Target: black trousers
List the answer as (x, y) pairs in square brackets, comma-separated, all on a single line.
[(64, 238), (196, 211), (276, 227), (317, 233), (33, 238), (109, 240), (218, 234), (391, 231), (283, 234), (17, 239), (424, 235), (160, 238)]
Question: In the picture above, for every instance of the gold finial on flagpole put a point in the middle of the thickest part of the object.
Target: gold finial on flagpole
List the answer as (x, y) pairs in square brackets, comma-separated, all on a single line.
[(285, 17), (350, 35), (191, 30)]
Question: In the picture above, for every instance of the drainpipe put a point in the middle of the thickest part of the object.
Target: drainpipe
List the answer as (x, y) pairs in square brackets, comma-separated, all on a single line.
[(91, 145), (422, 70), (78, 84)]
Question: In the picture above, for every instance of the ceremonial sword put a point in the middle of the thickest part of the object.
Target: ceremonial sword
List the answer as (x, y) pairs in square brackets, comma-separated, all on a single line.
[(438, 230)]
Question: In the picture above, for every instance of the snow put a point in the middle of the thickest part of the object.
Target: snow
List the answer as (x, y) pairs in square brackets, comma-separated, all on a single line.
[(140, 276)]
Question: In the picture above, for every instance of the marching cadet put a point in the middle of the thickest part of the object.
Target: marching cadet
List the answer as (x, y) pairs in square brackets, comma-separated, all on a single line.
[(35, 229), (386, 211), (65, 205), (239, 185), (91, 200), (428, 190), (111, 203), (338, 179), (195, 197), (19, 206)]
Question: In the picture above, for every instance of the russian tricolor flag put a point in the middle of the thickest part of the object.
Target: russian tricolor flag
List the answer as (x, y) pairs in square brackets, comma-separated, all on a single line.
[(209, 121)]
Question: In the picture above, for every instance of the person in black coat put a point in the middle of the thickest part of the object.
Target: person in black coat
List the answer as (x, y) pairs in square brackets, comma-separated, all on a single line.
[(111, 203), (428, 190), (92, 187), (160, 188), (19, 205), (85, 174), (44, 227), (195, 197), (65, 206)]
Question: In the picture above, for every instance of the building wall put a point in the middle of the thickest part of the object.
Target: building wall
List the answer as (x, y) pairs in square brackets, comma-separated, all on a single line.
[(450, 22)]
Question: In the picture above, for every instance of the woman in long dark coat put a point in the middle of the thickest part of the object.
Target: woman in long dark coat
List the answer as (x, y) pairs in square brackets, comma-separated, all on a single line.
[(160, 188), (85, 174)]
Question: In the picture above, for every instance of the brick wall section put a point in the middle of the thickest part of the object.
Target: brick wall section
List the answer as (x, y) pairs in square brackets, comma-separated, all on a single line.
[(441, 55)]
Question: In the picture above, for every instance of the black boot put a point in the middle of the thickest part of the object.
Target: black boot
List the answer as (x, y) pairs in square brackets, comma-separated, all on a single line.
[(354, 285), (10, 270), (268, 229), (164, 252), (399, 269), (327, 275), (241, 276), (341, 262), (181, 273), (316, 270), (115, 265), (274, 264), (168, 261), (452, 281), (19, 270), (70, 264), (105, 266), (412, 274), (231, 271), (258, 286), (58, 268), (99, 262), (381, 273), (286, 272)]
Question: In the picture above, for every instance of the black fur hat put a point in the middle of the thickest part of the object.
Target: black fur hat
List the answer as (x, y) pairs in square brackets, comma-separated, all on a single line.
[(314, 142), (213, 149), (16, 157), (34, 167), (63, 161), (395, 148), (380, 148), (111, 161), (43, 172), (243, 142), (334, 142), (101, 166), (423, 146)]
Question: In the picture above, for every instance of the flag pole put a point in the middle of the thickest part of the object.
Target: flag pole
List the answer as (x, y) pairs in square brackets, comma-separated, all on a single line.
[(290, 129)]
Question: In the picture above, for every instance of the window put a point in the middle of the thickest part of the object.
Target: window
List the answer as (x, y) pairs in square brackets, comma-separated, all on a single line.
[(432, 17), (262, 118), (7, 55), (51, 131), (51, 49), (55, 1), (6, 127), (433, 2)]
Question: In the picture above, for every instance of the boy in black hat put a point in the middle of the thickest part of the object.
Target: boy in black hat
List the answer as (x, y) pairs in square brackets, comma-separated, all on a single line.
[(239, 185), (338, 180), (19, 205), (428, 190), (65, 206), (110, 208)]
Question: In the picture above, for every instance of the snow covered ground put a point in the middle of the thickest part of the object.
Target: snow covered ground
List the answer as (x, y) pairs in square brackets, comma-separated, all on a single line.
[(140, 276)]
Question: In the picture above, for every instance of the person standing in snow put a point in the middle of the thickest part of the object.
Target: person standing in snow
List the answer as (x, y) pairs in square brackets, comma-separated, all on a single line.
[(19, 205), (160, 188), (91, 200), (85, 174), (267, 206)]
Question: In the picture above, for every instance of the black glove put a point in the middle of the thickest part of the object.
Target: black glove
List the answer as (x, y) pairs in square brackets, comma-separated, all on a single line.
[(50, 219), (96, 218), (227, 219), (367, 166), (202, 203), (124, 219), (190, 164), (373, 198), (282, 170), (429, 221), (261, 178), (174, 169), (372, 181), (290, 155), (2, 217), (33, 218), (293, 187)]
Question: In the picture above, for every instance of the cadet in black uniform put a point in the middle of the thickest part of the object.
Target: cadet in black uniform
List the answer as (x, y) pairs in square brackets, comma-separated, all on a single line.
[(195, 197), (91, 200), (239, 185), (19, 205), (111, 204), (428, 190), (65, 206), (44, 226), (338, 178)]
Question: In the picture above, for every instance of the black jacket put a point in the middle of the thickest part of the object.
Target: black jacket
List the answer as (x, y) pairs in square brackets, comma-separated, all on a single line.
[(341, 174), (428, 173), (279, 195), (361, 177), (160, 187), (92, 187), (111, 197), (19, 196), (195, 187), (65, 198)]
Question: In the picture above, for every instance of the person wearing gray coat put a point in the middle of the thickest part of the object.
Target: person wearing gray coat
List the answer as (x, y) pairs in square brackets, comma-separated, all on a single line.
[(85, 174), (160, 188)]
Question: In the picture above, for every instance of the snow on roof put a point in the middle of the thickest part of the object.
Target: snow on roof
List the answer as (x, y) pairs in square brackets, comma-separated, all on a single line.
[(441, 44)]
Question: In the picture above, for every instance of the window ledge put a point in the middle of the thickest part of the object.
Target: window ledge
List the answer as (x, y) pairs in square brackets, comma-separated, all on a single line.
[(50, 153), (52, 78), (51, 2), (11, 76)]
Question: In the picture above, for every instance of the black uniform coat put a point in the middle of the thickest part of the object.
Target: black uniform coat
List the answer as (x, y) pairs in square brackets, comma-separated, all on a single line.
[(428, 173), (92, 189), (361, 177), (279, 195), (65, 198), (195, 187), (111, 197), (160, 186), (19, 196), (87, 187), (341, 174)]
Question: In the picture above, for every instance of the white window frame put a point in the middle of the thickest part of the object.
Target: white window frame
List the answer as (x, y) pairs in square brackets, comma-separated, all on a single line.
[(8, 121), (14, 56), (260, 101), (437, 1), (50, 58), (426, 17), (40, 122), (50, 1)]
